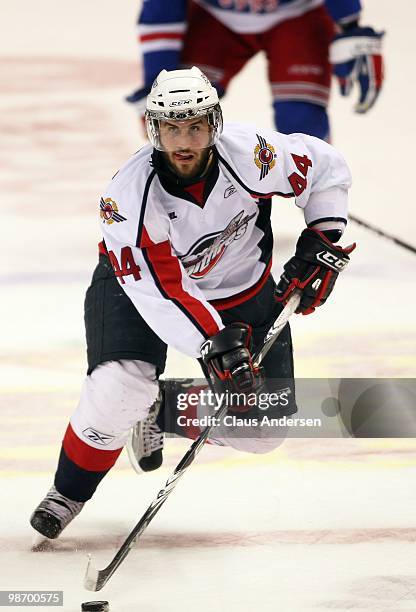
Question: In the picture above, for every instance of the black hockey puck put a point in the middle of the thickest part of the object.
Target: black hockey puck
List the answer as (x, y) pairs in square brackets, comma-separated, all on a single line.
[(95, 606)]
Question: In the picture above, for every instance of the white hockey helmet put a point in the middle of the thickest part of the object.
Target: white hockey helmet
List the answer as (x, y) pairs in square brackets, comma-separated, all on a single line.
[(179, 95)]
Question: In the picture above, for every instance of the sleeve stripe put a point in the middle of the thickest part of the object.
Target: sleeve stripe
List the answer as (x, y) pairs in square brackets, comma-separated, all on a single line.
[(162, 44), (323, 219), (151, 28), (300, 85), (283, 89), (160, 36), (167, 275)]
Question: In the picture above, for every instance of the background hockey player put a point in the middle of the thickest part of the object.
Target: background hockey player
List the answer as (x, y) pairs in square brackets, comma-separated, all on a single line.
[(299, 38), (185, 262)]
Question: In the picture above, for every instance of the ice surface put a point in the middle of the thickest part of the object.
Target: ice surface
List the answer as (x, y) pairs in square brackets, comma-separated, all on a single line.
[(313, 526)]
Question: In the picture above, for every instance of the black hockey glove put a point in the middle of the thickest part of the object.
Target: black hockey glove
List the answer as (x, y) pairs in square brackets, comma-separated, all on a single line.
[(314, 270), (227, 356)]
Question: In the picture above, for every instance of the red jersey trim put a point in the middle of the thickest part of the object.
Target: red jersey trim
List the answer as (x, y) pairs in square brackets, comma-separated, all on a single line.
[(167, 274), (220, 304), (197, 191), (145, 240), (239, 298), (102, 249)]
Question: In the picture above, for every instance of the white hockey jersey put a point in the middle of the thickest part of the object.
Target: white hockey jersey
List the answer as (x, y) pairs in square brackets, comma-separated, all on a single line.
[(173, 257)]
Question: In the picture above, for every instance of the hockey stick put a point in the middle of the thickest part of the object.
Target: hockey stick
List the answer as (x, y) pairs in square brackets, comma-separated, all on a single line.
[(382, 233), (94, 579)]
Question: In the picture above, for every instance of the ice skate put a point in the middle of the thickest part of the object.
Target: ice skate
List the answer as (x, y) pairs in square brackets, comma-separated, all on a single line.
[(53, 514), (145, 443)]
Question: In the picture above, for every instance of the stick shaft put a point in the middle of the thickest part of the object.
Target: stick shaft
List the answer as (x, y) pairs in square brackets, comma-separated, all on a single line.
[(382, 233), (95, 580)]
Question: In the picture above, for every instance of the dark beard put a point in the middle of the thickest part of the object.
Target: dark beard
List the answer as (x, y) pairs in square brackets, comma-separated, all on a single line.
[(160, 163), (198, 173)]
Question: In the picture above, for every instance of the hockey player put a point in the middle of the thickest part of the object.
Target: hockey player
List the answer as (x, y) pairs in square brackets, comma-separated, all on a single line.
[(299, 38), (185, 262)]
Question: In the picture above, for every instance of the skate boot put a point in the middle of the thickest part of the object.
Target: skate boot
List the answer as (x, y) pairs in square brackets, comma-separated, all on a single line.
[(145, 443), (54, 513)]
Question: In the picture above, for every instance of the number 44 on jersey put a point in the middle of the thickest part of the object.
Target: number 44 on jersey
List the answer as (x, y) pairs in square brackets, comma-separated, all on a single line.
[(126, 266)]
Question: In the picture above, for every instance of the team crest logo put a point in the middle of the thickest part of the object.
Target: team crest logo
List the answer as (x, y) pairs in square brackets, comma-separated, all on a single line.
[(208, 250), (264, 156), (109, 211)]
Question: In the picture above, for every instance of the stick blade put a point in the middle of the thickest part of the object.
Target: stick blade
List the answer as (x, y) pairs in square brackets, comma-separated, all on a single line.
[(91, 578)]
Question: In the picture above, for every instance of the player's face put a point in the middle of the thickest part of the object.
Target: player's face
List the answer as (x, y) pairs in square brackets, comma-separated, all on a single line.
[(186, 145)]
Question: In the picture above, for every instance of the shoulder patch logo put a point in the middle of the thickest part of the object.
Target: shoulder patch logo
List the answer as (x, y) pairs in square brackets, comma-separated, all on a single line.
[(264, 156), (109, 211)]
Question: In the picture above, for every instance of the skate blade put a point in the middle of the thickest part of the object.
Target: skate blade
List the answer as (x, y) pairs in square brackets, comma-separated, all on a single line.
[(132, 455)]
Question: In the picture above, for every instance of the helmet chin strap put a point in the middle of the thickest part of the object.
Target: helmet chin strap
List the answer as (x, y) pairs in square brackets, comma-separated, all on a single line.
[(208, 164)]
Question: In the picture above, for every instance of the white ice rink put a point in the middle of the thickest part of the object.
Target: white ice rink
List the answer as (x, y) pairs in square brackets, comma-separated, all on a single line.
[(315, 525)]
